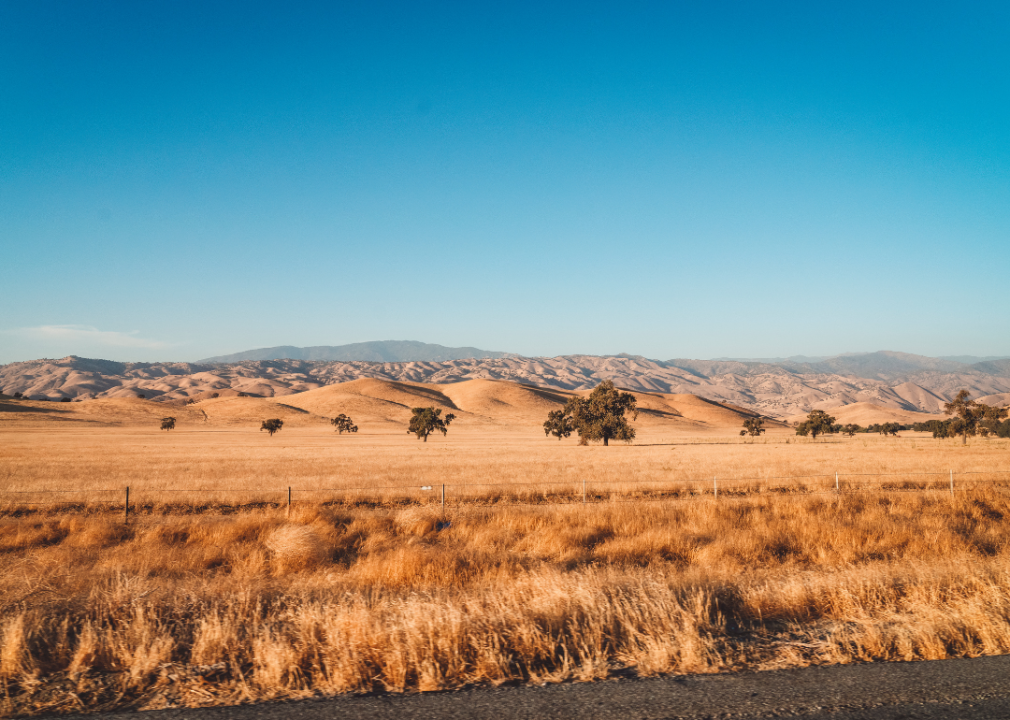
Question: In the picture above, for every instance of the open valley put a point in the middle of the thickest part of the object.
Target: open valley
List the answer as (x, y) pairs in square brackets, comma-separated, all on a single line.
[(690, 550)]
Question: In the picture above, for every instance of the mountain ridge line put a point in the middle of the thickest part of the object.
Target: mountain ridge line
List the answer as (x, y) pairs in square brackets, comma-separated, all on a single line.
[(895, 380)]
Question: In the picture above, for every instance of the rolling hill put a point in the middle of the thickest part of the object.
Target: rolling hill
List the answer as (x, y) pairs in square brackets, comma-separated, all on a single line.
[(865, 413), (385, 406), (781, 390)]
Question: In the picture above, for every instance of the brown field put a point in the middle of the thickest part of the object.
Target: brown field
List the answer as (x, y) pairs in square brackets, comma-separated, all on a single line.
[(215, 593)]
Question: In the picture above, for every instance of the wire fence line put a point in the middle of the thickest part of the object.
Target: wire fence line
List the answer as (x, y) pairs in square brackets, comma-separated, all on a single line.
[(132, 499)]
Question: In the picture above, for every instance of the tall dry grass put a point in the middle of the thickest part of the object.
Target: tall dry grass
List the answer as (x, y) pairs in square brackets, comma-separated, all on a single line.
[(194, 604), (206, 610)]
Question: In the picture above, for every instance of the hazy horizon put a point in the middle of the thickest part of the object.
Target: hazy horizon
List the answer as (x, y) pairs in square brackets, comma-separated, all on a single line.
[(965, 359)]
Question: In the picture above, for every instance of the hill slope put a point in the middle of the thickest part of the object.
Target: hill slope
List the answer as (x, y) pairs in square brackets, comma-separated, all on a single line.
[(385, 406), (771, 389), (371, 401), (865, 413)]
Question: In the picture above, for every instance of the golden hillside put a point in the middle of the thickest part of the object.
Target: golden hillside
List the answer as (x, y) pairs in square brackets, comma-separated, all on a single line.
[(384, 406), (866, 413)]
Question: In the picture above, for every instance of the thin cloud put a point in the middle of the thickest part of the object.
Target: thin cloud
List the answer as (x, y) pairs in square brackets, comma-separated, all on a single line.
[(85, 334)]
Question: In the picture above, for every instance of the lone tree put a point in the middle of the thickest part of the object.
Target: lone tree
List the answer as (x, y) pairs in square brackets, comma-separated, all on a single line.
[(342, 423), (753, 427), (969, 415), (817, 423), (851, 429), (272, 426), (601, 415), (558, 424), (168, 423), (427, 420)]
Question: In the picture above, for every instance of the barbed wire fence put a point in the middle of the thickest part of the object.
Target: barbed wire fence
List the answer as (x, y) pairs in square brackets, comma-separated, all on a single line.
[(133, 501)]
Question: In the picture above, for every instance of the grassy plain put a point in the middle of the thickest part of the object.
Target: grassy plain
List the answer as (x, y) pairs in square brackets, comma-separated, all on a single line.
[(215, 594)]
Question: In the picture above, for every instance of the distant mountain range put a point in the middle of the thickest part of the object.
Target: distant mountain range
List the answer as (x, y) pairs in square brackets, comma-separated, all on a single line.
[(882, 364), (779, 389), (376, 351), (963, 359)]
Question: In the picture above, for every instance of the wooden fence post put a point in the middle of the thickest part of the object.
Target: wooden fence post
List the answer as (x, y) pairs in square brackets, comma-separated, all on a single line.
[(289, 501), (715, 487), (836, 481), (126, 514)]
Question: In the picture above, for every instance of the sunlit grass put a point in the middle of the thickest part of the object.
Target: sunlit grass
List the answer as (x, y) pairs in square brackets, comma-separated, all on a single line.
[(222, 596)]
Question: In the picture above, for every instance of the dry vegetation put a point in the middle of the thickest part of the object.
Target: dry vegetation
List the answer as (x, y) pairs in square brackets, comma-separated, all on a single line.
[(221, 597)]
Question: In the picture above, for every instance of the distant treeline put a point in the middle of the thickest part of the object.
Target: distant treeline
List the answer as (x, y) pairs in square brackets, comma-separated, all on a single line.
[(939, 428), (945, 428), (968, 418), (889, 428)]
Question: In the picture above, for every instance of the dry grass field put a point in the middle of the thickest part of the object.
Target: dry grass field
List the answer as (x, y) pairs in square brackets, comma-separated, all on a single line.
[(216, 593)]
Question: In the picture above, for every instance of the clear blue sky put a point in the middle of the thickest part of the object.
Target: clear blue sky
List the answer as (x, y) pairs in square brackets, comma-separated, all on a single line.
[(180, 180)]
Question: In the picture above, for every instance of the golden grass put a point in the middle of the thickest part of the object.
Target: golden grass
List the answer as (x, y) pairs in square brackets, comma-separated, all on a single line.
[(232, 605), (240, 466)]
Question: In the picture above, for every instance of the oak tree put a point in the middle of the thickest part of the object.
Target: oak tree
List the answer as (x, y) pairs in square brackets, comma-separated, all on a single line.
[(991, 419), (558, 424), (601, 415), (969, 415), (753, 427), (343, 423), (817, 423), (851, 429), (965, 420), (272, 426), (939, 428), (168, 423), (427, 420), (889, 428)]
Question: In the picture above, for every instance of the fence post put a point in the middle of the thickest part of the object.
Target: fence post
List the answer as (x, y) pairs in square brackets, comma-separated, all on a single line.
[(836, 481), (715, 487), (126, 514), (289, 501), (952, 483)]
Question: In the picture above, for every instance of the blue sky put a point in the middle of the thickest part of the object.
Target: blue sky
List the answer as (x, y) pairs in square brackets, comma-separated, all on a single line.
[(179, 180)]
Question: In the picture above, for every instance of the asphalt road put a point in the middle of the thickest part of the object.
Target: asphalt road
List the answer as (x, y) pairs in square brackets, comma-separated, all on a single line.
[(967, 689)]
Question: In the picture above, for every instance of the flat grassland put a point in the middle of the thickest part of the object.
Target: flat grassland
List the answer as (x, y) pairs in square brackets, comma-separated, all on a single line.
[(216, 593)]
